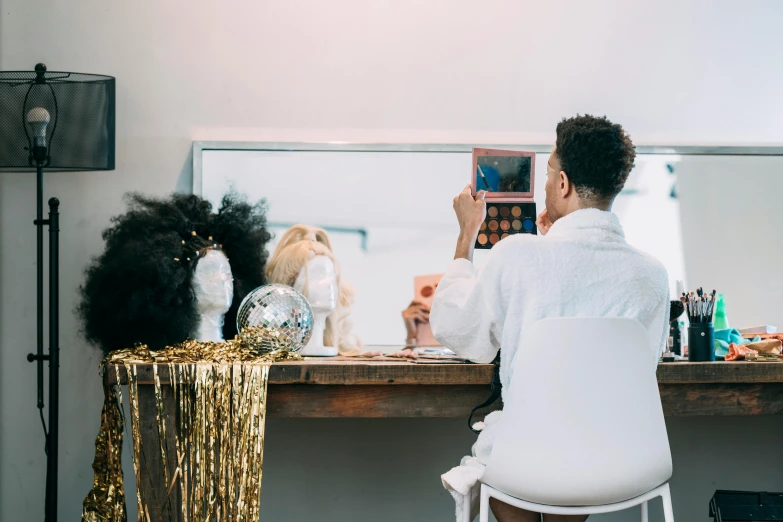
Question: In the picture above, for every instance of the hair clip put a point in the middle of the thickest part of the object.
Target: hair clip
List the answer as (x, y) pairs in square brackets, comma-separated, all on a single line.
[(183, 241), (193, 233), (176, 259), (210, 238)]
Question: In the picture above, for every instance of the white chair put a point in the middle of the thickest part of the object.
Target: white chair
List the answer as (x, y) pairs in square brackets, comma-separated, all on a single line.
[(582, 430)]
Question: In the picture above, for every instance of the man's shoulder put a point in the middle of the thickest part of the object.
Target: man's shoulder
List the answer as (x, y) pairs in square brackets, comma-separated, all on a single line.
[(649, 269), (516, 245), (517, 241), (648, 261)]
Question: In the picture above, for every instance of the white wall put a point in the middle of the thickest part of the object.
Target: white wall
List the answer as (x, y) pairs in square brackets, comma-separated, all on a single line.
[(733, 234), (404, 71)]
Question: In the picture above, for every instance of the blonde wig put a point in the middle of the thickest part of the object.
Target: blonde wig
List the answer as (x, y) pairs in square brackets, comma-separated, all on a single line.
[(296, 248)]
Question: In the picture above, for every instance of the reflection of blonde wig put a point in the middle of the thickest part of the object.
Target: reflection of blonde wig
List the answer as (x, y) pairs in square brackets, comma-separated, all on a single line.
[(296, 248)]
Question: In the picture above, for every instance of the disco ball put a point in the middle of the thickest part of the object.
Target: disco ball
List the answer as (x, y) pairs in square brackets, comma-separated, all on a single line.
[(281, 313)]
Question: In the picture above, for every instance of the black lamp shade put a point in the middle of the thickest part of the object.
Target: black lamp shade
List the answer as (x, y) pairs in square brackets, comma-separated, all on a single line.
[(80, 131)]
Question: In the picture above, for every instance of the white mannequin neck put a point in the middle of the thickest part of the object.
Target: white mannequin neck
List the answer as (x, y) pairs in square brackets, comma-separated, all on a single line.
[(210, 328)]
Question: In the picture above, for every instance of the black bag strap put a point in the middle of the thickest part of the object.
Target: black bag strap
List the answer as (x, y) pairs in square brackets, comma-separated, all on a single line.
[(494, 392)]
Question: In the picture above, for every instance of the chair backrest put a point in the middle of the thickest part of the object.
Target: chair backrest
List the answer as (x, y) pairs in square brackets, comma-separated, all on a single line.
[(582, 423)]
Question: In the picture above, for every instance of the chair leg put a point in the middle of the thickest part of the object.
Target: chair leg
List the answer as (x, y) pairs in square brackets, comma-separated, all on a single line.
[(484, 504), (668, 511), (645, 514), (466, 505)]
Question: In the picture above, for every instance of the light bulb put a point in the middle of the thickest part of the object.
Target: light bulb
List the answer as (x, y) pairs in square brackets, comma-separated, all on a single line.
[(38, 118)]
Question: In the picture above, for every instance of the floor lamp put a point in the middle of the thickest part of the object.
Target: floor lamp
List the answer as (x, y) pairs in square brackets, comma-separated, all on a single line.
[(57, 121)]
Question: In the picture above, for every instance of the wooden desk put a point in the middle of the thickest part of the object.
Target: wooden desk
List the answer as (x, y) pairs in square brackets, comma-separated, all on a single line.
[(365, 388)]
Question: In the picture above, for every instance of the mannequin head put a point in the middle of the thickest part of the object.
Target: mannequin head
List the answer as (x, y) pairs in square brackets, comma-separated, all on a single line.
[(213, 287), (165, 268), (295, 262), (318, 282), (213, 282)]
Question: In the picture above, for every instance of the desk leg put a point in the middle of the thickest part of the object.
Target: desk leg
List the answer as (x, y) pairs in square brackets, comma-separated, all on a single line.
[(163, 506)]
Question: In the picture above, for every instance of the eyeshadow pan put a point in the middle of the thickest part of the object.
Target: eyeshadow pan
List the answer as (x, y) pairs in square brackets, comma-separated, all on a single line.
[(492, 211), (494, 238), (484, 226), (516, 225), (482, 238), (504, 236), (504, 211), (505, 224), (516, 211), (493, 225)]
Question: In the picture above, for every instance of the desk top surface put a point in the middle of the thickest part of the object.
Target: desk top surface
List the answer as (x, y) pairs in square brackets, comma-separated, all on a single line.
[(387, 371)]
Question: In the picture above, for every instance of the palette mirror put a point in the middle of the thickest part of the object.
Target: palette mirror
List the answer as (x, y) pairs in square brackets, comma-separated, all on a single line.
[(498, 172)]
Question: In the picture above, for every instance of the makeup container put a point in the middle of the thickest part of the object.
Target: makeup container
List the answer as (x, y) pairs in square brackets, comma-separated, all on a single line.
[(424, 290), (508, 178), (700, 306), (701, 342)]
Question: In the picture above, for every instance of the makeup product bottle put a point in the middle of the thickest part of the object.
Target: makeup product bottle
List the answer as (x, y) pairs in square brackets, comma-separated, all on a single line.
[(675, 341), (720, 321), (676, 309), (508, 178), (683, 340)]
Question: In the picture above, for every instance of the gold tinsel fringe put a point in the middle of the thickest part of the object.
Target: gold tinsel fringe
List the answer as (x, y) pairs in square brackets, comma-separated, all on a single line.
[(106, 500), (219, 396)]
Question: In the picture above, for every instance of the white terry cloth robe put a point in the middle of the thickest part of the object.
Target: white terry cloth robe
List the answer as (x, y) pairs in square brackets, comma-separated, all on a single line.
[(583, 267)]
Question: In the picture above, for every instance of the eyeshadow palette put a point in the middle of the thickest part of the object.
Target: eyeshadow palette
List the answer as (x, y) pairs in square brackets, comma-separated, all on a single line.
[(424, 290), (507, 177), (505, 219)]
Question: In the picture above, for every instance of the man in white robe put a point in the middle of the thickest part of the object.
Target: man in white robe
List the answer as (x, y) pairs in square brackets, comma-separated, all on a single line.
[(578, 265)]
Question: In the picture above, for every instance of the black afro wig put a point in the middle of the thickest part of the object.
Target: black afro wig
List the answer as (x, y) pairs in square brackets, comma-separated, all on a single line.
[(139, 289)]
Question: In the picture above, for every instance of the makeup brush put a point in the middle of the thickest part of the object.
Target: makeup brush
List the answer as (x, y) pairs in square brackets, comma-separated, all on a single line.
[(481, 173), (693, 305), (684, 299)]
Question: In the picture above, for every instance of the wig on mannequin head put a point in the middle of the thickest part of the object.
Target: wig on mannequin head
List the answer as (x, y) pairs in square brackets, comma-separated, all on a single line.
[(139, 290), (296, 248)]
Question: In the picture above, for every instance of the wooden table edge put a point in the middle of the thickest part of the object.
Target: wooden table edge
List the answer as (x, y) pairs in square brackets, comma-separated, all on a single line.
[(360, 373)]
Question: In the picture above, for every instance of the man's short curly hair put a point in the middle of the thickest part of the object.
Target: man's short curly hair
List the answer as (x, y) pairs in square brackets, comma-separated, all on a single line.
[(596, 154)]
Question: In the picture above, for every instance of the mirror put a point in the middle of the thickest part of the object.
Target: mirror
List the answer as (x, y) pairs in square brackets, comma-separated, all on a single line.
[(497, 172), (388, 211)]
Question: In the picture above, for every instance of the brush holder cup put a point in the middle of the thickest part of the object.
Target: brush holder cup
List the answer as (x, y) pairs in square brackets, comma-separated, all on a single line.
[(701, 342)]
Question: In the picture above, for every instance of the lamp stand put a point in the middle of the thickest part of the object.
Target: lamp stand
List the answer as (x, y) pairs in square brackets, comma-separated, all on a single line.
[(54, 347)]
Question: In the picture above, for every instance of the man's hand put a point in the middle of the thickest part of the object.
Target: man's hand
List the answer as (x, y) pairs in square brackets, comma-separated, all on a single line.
[(470, 211), (543, 223), (417, 313)]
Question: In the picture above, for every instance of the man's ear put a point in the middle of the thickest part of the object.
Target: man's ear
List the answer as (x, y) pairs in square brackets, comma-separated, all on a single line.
[(565, 185)]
